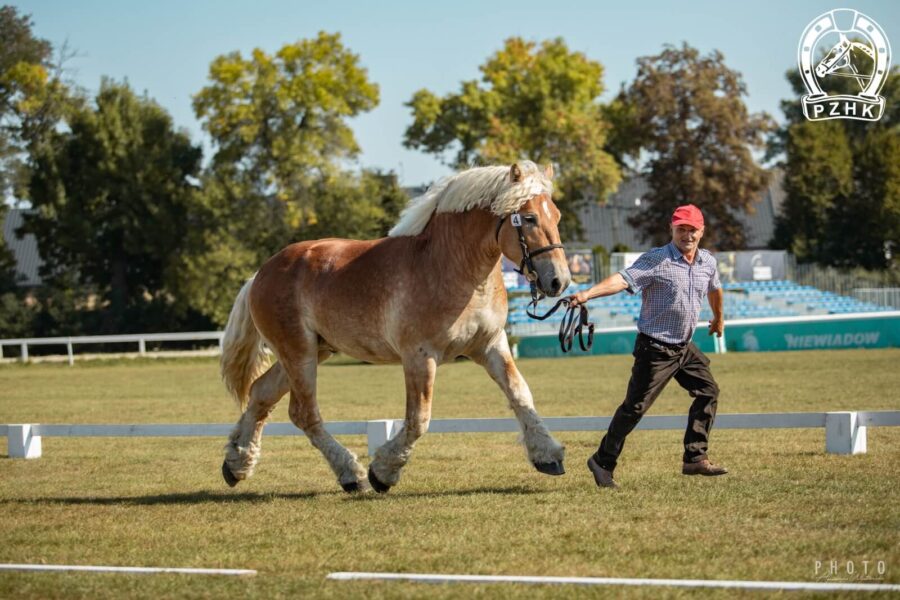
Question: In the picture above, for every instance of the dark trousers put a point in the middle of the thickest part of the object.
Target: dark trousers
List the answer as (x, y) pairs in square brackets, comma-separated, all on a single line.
[(654, 365)]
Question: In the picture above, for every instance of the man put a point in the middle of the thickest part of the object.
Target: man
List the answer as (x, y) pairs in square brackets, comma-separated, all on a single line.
[(672, 280)]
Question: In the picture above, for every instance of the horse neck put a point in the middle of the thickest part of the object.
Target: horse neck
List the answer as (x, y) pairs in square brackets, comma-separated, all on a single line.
[(463, 245)]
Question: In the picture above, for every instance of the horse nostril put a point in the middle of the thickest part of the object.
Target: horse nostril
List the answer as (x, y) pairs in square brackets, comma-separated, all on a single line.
[(555, 285)]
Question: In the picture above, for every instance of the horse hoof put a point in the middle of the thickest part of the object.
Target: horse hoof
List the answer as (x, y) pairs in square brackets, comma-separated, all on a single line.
[(230, 479), (353, 487), (551, 468), (377, 485)]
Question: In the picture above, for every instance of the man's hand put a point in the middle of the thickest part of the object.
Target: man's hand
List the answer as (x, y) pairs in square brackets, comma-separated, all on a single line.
[(717, 326), (578, 299)]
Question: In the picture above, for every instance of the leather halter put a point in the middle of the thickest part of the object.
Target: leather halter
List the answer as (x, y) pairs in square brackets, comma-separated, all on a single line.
[(570, 325), (526, 267)]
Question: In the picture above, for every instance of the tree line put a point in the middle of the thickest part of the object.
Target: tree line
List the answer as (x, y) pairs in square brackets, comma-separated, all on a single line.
[(138, 232)]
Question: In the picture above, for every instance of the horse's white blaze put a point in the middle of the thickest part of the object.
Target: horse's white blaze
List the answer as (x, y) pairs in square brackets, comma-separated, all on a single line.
[(546, 208)]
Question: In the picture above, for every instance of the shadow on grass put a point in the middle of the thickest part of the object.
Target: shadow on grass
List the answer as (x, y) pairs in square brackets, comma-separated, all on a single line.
[(498, 491), (207, 497), (203, 497)]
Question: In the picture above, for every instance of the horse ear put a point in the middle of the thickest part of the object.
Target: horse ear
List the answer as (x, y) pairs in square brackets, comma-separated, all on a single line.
[(548, 171), (515, 173)]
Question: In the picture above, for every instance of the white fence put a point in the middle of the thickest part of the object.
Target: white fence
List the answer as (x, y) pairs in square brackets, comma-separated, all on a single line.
[(140, 339), (845, 432)]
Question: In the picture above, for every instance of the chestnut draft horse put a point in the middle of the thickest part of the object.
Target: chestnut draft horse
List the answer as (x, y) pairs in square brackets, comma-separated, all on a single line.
[(430, 292)]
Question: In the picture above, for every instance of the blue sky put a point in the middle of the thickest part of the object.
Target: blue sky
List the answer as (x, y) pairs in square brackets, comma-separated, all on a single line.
[(164, 47)]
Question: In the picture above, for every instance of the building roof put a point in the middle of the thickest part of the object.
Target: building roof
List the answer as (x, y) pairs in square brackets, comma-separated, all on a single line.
[(607, 225), (25, 250)]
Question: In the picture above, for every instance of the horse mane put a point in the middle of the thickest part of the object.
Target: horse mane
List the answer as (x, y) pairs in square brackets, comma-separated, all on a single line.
[(479, 187)]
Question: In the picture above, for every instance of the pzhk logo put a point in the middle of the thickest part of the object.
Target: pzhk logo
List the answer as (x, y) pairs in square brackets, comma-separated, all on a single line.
[(857, 58)]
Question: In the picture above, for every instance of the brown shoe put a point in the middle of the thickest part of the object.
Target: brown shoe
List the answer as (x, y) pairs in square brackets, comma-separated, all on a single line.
[(703, 467), (602, 477)]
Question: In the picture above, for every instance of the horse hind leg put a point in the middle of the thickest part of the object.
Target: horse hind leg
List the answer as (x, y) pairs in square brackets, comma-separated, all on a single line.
[(242, 451), (304, 413)]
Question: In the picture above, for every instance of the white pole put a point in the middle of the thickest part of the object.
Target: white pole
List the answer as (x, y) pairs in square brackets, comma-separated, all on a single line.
[(142, 347), (844, 434), (24, 352), (136, 570), (22, 443), (71, 352), (621, 581), (379, 432)]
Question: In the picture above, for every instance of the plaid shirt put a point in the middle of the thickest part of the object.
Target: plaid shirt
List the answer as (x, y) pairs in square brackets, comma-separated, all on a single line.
[(672, 291)]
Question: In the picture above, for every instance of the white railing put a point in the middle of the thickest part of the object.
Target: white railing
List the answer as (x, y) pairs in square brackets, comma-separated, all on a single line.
[(845, 432), (889, 297), (140, 338)]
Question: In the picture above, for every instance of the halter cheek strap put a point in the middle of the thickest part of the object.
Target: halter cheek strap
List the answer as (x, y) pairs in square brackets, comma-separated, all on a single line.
[(526, 267)]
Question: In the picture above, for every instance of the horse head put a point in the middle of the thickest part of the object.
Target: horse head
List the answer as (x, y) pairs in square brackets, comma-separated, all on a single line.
[(529, 236)]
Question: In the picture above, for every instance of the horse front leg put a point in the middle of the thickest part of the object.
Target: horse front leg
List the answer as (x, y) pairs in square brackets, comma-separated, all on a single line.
[(544, 452), (243, 448), (384, 471)]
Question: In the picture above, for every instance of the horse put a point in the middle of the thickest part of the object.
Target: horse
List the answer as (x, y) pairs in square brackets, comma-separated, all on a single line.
[(430, 292)]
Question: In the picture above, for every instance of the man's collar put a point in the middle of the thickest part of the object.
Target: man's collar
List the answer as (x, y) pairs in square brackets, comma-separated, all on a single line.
[(676, 254)]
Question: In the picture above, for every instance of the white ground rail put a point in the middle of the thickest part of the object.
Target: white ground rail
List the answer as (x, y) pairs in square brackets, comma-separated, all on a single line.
[(845, 432)]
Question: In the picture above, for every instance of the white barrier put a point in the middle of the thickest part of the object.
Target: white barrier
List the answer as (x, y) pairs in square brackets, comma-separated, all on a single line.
[(140, 339), (845, 432)]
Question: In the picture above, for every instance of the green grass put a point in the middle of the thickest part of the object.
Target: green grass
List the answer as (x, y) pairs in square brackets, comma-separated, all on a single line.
[(467, 503)]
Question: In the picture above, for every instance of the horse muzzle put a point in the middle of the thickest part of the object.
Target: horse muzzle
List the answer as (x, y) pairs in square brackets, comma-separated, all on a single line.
[(552, 276)]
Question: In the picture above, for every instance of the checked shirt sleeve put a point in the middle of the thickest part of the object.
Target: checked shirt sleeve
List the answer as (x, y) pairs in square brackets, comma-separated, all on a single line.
[(714, 282), (640, 273)]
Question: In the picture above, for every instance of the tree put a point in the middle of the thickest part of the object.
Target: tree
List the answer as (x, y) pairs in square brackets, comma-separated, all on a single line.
[(536, 102), (685, 116), (279, 126), (114, 203), (32, 100), (842, 181)]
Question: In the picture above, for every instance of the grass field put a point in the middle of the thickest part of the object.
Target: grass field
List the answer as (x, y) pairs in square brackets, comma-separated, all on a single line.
[(467, 503)]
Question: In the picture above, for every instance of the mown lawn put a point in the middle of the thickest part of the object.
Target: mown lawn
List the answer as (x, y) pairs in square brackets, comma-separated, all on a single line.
[(466, 503)]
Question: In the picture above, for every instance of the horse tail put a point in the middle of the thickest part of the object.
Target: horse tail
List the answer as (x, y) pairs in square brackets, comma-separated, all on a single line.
[(243, 357)]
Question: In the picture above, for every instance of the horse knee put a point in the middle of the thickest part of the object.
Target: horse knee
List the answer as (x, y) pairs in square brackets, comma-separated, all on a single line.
[(418, 427)]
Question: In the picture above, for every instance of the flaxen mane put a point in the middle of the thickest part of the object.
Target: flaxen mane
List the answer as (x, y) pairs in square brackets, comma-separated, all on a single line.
[(484, 187)]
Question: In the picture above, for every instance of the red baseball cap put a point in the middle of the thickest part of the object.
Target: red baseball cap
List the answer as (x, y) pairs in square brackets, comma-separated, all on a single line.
[(688, 215)]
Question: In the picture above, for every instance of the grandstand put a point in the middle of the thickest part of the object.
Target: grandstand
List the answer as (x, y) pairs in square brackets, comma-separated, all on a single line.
[(743, 300)]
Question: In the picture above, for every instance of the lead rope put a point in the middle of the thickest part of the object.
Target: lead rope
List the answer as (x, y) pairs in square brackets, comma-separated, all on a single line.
[(573, 322)]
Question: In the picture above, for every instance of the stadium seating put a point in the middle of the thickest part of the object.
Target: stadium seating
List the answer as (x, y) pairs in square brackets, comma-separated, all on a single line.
[(743, 300)]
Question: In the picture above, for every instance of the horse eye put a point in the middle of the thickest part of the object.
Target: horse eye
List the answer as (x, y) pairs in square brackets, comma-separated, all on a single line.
[(531, 219)]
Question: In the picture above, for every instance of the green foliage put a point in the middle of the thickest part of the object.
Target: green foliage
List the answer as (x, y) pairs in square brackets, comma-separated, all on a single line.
[(114, 204), (685, 114), (842, 182), (537, 102), (24, 60), (32, 101), (279, 126)]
